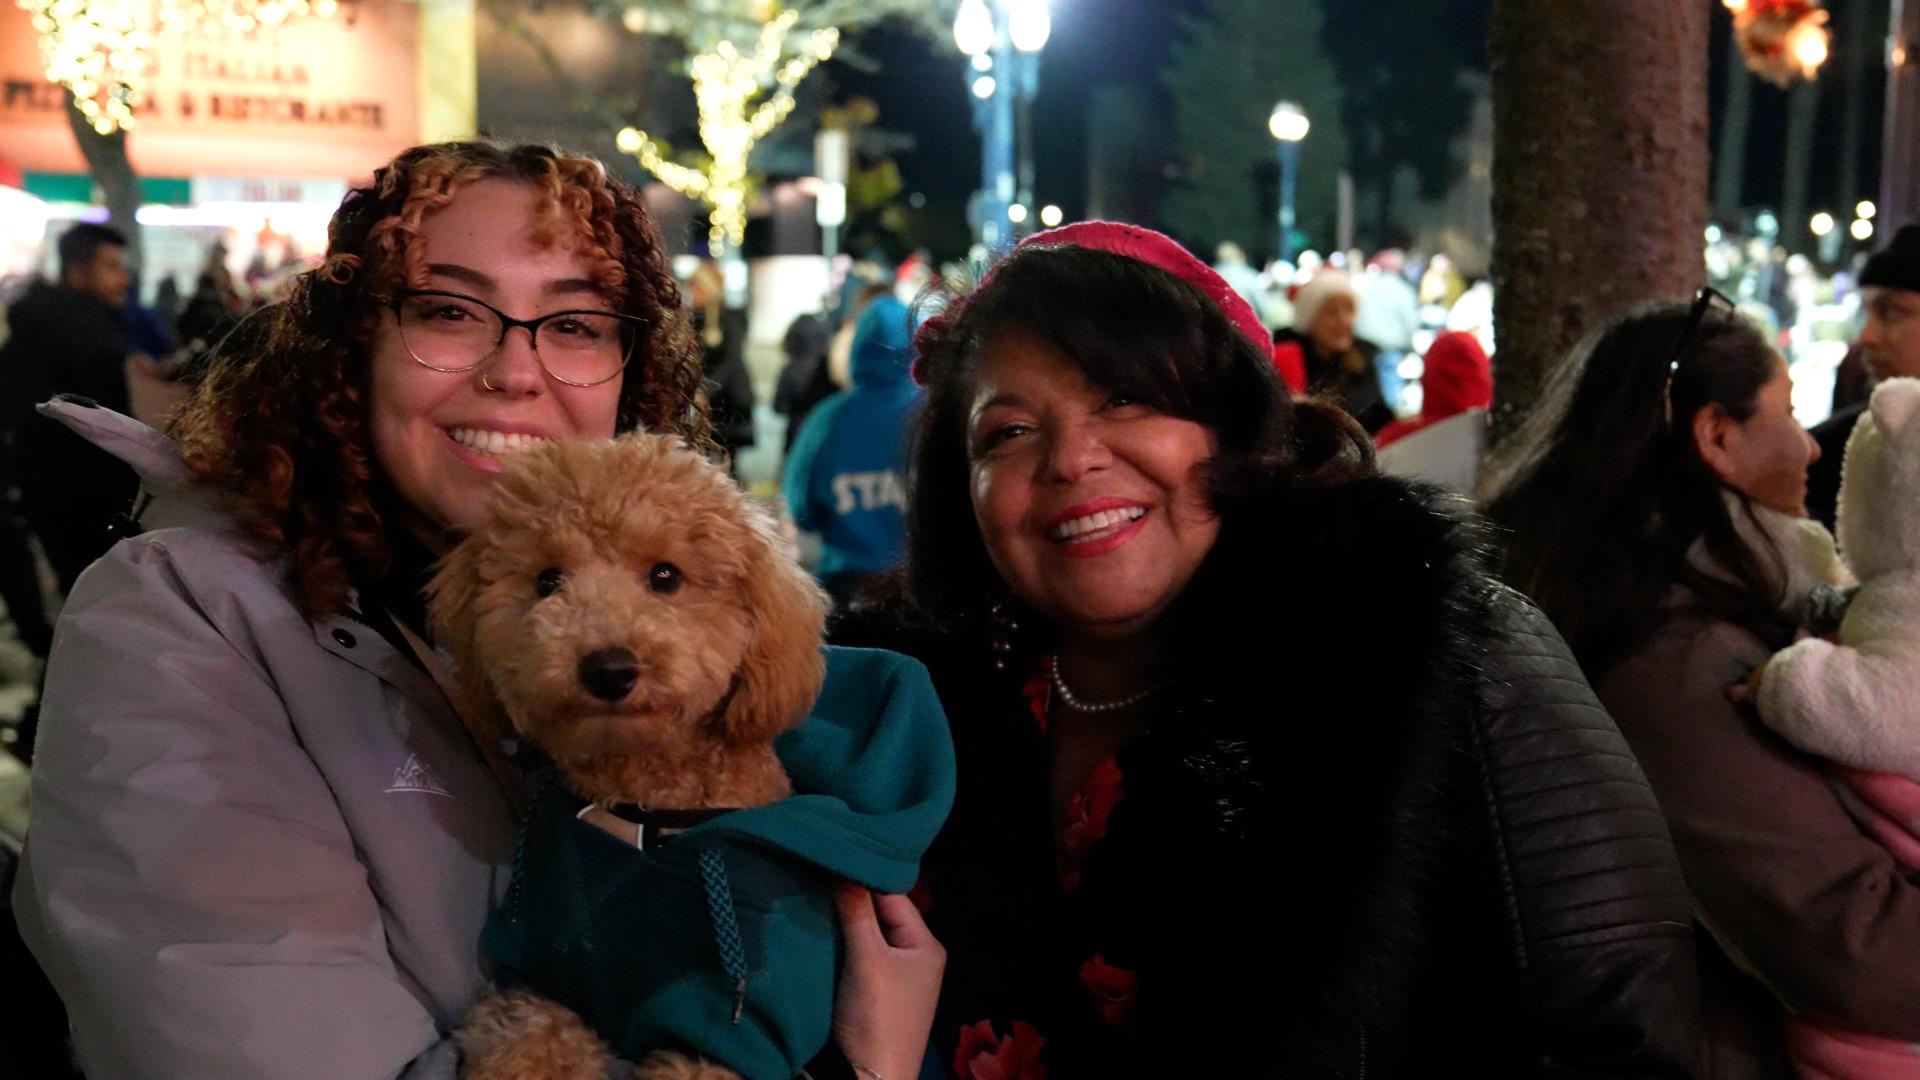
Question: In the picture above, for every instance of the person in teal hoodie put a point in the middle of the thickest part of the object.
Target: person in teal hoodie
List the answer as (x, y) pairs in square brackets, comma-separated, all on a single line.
[(844, 474)]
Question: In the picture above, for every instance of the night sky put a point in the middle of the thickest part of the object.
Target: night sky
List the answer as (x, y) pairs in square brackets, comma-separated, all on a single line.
[(920, 88)]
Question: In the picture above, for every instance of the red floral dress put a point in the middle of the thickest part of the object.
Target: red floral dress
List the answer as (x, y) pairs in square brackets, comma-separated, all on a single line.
[(1091, 1017)]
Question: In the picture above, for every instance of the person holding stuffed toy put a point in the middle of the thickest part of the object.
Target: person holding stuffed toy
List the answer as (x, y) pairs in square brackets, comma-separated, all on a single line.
[(1200, 830), (1853, 699), (264, 841), (1656, 510)]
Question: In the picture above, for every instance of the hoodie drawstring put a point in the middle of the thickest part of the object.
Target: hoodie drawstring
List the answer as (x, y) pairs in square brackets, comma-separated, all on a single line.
[(726, 925)]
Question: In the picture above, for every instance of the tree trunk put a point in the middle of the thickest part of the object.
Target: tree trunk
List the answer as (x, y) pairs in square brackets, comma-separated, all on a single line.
[(1383, 208), (1599, 173), (113, 174), (1900, 173), (1803, 108), (1730, 164), (1855, 53), (1344, 214)]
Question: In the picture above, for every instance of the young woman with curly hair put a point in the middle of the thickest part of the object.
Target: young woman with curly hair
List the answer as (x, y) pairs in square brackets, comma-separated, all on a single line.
[(264, 844), (1261, 774)]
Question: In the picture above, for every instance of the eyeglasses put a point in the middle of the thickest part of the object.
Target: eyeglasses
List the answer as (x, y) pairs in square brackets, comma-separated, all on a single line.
[(451, 332), (1707, 299)]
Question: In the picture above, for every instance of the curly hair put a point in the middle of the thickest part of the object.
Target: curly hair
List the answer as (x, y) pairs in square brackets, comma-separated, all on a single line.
[(281, 418), (1134, 329)]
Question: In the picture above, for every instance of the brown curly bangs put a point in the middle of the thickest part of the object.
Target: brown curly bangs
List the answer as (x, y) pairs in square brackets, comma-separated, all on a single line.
[(281, 418)]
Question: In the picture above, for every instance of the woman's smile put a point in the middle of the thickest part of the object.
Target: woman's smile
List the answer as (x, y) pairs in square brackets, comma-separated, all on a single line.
[(1087, 533)]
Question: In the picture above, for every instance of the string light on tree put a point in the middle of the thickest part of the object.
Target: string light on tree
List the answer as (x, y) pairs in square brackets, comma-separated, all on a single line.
[(637, 20), (1781, 39), (100, 50), (726, 84)]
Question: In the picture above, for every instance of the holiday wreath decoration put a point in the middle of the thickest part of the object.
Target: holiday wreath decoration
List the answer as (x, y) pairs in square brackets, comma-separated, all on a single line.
[(1781, 39)]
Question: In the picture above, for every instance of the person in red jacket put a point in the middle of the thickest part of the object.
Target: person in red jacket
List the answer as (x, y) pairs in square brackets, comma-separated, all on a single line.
[(1458, 377)]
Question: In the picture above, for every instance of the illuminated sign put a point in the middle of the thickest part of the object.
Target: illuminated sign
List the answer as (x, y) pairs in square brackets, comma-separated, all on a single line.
[(324, 98)]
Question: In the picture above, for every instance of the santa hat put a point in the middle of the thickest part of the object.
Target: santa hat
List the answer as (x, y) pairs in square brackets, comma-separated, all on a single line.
[(1309, 298)]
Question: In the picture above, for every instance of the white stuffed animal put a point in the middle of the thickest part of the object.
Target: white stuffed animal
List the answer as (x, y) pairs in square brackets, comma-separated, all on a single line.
[(1856, 700)]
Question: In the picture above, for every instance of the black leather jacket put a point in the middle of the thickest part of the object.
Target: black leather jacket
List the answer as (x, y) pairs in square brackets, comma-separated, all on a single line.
[(1381, 826)]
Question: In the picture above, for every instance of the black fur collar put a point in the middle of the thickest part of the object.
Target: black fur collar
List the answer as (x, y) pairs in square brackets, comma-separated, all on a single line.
[(1287, 832), (1331, 650)]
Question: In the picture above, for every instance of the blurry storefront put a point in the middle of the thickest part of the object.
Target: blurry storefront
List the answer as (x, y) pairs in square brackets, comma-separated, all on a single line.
[(247, 141)]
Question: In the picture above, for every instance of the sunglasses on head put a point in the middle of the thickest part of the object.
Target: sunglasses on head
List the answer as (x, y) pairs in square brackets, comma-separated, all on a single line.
[(1706, 300)]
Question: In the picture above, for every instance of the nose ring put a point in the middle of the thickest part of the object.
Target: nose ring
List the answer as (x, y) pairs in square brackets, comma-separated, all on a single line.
[(488, 383)]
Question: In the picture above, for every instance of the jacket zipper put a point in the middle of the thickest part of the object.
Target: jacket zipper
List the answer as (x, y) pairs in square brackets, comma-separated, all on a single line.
[(1363, 1052)]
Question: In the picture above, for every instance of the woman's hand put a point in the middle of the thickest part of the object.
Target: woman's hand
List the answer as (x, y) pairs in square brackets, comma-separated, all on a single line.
[(883, 1007)]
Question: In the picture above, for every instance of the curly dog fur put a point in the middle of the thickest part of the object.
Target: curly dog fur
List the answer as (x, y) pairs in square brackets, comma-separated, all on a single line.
[(628, 610)]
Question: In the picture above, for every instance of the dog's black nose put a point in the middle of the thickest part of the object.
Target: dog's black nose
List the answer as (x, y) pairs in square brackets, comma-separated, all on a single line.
[(609, 674)]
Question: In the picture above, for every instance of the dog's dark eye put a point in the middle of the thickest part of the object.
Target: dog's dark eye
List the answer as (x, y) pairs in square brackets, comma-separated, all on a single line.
[(548, 582), (664, 578)]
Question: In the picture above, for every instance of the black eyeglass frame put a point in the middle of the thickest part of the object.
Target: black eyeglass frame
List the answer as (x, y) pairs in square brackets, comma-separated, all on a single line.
[(1704, 300), (634, 323)]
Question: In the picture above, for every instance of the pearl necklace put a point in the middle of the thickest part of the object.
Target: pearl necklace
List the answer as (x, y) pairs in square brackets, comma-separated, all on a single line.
[(1072, 702)]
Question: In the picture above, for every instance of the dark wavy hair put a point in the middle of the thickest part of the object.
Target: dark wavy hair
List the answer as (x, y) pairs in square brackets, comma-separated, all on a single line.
[(1604, 493), (1133, 329), (280, 419)]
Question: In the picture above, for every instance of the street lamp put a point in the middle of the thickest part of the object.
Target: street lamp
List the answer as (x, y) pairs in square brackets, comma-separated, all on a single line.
[(1289, 126), (973, 28), (1003, 39), (1028, 26)]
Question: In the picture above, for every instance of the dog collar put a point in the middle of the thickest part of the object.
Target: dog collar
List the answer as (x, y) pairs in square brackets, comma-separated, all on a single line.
[(651, 829)]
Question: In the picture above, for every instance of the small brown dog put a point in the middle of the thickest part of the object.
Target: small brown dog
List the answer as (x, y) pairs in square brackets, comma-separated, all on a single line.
[(630, 612)]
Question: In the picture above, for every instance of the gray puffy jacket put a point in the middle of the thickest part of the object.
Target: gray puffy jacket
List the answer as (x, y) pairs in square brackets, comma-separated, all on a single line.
[(260, 846)]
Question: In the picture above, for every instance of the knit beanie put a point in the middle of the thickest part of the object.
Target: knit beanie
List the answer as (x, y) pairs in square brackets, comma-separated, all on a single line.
[(1896, 266), (1312, 296), (1133, 242)]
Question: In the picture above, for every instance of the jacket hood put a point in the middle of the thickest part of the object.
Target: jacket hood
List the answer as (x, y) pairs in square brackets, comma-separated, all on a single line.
[(1458, 377), (177, 496), (873, 768), (150, 453), (883, 343)]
